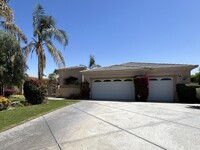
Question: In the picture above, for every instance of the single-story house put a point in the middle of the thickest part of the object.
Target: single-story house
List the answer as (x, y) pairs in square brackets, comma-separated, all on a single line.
[(116, 82)]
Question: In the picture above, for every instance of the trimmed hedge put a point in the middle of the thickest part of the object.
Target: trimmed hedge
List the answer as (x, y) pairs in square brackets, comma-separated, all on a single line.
[(141, 88), (188, 93), (34, 91)]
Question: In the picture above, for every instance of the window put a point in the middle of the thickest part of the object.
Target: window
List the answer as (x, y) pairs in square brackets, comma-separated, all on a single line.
[(153, 79), (128, 80), (165, 79), (107, 81), (117, 80), (71, 80), (97, 81)]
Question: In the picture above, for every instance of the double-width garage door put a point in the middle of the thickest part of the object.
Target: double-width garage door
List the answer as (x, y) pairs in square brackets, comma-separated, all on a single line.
[(160, 89), (119, 89)]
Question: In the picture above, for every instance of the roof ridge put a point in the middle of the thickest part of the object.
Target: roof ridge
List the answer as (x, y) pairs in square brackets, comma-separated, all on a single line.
[(156, 63)]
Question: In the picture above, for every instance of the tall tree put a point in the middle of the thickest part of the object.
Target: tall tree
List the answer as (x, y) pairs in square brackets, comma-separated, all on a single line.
[(92, 63), (45, 30), (12, 69), (7, 21), (53, 76)]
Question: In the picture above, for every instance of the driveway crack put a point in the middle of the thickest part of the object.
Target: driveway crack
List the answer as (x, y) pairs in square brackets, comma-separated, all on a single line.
[(51, 133), (121, 129)]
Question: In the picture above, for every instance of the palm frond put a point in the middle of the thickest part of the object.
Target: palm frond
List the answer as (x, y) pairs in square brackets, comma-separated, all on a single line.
[(44, 23), (38, 14), (50, 21), (59, 35), (5, 11), (13, 29), (56, 54), (6, 1), (27, 49)]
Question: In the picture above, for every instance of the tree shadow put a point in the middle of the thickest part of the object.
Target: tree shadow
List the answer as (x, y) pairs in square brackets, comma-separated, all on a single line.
[(193, 107)]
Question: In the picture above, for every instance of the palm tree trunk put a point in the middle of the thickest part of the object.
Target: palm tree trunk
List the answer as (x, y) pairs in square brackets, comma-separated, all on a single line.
[(40, 68)]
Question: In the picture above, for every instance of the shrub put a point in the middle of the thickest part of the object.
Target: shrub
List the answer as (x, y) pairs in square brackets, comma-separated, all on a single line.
[(198, 93), (141, 88), (8, 92), (187, 93), (17, 98), (4, 103), (74, 96), (34, 91), (195, 78), (17, 91), (85, 90)]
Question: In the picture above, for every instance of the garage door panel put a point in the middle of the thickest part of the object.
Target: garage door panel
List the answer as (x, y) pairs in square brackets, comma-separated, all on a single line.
[(161, 90), (122, 90)]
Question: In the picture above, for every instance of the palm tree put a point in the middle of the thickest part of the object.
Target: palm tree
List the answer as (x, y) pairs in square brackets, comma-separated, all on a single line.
[(92, 63), (45, 30), (7, 16)]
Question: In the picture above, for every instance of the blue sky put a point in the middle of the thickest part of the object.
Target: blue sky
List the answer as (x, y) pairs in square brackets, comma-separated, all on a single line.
[(118, 31)]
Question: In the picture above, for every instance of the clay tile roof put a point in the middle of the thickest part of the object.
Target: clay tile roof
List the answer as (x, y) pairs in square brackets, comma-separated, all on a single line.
[(137, 65)]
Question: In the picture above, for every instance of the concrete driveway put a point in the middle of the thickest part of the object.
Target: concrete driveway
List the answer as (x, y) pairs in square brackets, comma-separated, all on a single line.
[(101, 125)]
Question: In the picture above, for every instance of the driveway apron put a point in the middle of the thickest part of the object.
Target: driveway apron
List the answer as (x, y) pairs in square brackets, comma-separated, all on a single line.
[(105, 125)]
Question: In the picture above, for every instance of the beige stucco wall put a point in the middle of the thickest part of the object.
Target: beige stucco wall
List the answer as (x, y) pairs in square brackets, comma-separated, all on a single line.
[(66, 90), (182, 74), (179, 75), (70, 72)]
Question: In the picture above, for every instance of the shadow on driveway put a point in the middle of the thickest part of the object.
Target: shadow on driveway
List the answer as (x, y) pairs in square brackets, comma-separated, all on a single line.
[(193, 107)]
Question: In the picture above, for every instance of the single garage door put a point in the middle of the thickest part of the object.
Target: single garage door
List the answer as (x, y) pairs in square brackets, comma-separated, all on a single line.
[(114, 89), (161, 89)]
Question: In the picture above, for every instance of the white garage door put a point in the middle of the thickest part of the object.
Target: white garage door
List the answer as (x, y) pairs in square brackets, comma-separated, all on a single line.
[(161, 89), (118, 89)]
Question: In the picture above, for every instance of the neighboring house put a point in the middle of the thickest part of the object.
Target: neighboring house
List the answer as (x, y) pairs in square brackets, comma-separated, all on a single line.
[(116, 82)]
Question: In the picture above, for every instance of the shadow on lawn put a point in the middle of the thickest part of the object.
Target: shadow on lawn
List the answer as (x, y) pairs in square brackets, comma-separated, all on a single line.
[(193, 107)]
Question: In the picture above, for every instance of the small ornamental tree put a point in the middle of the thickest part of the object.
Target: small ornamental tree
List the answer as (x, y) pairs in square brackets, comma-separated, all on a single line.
[(141, 88)]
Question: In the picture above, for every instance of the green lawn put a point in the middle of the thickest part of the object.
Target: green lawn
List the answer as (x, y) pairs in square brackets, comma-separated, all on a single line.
[(16, 116)]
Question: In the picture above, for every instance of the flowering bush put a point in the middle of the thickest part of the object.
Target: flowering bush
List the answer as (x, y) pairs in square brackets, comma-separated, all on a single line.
[(34, 91), (8, 92), (85, 90), (141, 88), (4, 103)]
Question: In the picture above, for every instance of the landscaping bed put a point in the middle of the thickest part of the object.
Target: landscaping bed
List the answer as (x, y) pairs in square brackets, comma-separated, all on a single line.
[(18, 115)]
